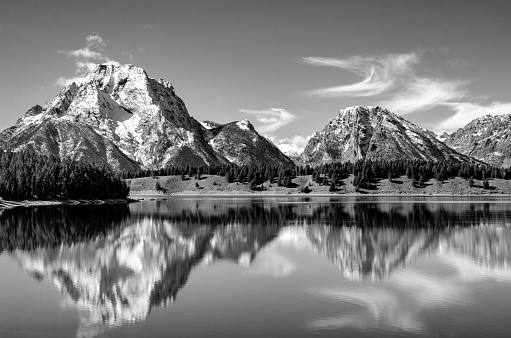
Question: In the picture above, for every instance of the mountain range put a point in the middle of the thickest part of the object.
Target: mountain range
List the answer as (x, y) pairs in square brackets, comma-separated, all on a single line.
[(121, 117), (487, 138)]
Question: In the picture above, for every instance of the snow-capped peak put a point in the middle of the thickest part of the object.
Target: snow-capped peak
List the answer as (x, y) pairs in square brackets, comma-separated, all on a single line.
[(244, 124)]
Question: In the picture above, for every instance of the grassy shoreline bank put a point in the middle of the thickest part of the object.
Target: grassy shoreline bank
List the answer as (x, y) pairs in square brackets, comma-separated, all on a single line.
[(401, 187)]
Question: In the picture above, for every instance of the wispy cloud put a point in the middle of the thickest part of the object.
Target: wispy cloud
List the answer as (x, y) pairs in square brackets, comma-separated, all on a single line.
[(424, 93), (380, 73), (148, 26), (394, 77), (466, 112), (395, 83), (86, 59), (271, 119)]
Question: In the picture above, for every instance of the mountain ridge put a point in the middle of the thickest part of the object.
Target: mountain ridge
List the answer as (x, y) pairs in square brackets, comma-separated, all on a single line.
[(487, 138), (121, 117), (374, 133)]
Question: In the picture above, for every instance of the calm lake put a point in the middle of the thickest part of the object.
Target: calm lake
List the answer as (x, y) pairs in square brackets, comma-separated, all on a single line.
[(258, 267)]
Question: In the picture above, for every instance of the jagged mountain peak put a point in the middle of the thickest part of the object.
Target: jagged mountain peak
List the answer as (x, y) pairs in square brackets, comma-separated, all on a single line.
[(245, 125), (120, 115), (374, 133), (487, 138), (241, 144)]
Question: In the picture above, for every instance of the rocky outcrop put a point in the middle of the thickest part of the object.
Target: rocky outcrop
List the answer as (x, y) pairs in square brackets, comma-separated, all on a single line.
[(241, 144), (121, 117), (487, 138), (377, 134)]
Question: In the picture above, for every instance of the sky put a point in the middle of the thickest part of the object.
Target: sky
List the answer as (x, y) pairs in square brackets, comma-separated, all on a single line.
[(287, 66)]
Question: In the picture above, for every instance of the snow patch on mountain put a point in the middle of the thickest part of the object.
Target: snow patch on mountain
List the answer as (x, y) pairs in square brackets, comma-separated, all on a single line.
[(244, 124), (487, 138), (374, 133)]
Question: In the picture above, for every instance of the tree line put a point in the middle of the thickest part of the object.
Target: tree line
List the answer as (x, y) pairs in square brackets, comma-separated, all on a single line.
[(364, 172), (27, 175)]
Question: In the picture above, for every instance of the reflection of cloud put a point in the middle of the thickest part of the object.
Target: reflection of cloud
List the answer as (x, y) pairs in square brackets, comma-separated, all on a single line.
[(469, 270), (272, 264), (384, 309), (399, 302), (429, 291), (457, 259)]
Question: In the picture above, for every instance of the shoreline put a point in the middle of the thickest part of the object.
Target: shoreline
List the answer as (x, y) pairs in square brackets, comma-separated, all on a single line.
[(133, 198), (7, 204), (242, 194)]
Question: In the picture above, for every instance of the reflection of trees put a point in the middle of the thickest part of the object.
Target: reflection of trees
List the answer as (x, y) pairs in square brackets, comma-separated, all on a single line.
[(118, 263), (350, 213), (29, 228)]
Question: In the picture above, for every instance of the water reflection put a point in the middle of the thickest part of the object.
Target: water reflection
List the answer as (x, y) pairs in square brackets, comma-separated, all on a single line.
[(115, 264)]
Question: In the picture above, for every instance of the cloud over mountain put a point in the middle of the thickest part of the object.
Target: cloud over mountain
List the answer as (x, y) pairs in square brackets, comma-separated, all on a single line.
[(396, 82), (86, 59), (271, 119)]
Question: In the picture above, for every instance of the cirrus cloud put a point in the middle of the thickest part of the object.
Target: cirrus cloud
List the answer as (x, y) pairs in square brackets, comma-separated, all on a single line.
[(424, 94), (466, 112), (380, 73), (395, 83), (393, 76)]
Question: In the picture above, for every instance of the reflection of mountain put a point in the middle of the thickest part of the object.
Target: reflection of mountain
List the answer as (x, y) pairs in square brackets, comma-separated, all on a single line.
[(118, 278), (376, 253), (115, 266), (362, 252)]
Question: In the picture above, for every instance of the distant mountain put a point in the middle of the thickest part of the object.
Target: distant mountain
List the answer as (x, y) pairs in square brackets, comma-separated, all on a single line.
[(292, 151), (442, 135), (121, 117), (377, 134), (240, 143), (487, 138)]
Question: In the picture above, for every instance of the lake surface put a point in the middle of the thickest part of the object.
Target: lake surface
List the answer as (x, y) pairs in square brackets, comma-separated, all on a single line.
[(258, 267)]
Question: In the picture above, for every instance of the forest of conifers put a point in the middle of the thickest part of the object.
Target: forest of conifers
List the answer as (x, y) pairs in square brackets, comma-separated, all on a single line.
[(364, 171), (26, 175)]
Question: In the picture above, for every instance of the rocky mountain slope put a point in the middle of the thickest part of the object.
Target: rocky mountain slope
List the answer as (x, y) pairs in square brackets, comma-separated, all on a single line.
[(374, 133), (240, 143), (121, 117), (487, 138)]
